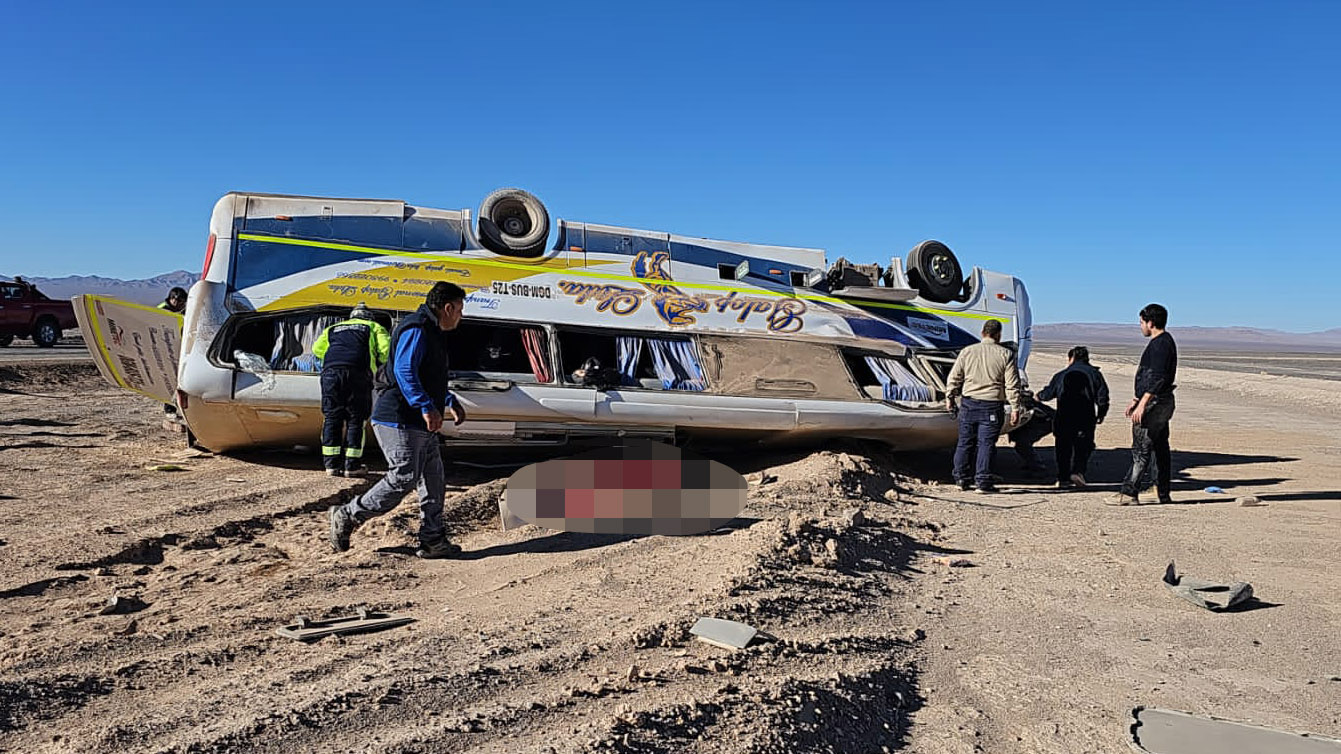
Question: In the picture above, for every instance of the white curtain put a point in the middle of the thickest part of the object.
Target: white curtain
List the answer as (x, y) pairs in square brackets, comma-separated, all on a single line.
[(897, 382)]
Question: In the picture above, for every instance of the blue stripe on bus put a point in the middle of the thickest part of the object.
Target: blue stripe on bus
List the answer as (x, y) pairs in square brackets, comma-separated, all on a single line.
[(365, 230), (866, 327), (257, 262), (958, 337)]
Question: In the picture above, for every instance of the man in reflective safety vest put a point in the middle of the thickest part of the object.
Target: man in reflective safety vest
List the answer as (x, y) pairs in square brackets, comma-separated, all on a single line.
[(175, 303), (351, 352)]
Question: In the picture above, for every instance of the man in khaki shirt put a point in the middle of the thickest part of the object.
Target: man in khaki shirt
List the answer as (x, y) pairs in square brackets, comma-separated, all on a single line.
[(986, 376)]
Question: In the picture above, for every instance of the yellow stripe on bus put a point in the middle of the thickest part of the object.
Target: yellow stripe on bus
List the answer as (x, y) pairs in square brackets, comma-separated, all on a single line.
[(90, 302), (545, 266)]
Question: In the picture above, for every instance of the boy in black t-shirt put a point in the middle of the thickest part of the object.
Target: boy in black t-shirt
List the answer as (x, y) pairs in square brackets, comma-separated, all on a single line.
[(1151, 409)]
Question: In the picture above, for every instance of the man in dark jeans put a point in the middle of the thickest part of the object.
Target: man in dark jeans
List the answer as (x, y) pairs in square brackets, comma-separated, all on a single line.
[(986, 375), (1082, 402), (1151, 409), (412, 396)]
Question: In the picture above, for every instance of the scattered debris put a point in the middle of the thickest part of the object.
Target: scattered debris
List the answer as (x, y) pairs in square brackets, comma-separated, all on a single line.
[(165, 467), (1210, 595), (1214, 491), (947, 560), (728, 634), (118, 605), (194, 453), (1160, 731), (204, 542), (306, 629), (1250, 501)]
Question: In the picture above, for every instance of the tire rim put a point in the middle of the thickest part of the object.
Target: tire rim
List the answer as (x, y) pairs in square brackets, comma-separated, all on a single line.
[(942, 269), (515, 225), (47, 332), (513, 218)]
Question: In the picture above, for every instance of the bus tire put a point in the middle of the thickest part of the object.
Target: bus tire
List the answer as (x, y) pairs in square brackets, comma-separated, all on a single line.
[(514, 223), (935, 272), (46, 332)]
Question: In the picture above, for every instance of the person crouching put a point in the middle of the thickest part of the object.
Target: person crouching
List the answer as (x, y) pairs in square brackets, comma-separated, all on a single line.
[(351, 352)]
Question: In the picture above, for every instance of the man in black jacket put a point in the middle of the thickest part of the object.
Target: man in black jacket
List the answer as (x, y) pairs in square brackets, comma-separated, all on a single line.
[(1082, 402), (412, 396), (1151, 409)]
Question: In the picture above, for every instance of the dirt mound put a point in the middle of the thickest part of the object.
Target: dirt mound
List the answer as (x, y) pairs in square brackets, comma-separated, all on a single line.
[(67, 374)]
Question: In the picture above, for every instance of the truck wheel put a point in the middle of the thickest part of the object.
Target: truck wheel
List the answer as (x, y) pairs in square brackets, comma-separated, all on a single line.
[(5, 340), (513, 222), (935, 272), (47, 332)]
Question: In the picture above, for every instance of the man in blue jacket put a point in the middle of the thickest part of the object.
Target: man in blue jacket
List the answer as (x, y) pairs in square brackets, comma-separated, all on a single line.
[(1082, 402), (411, 398)]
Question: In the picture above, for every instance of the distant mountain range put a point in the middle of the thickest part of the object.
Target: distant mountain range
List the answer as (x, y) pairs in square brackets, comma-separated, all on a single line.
[(1218, 338), (150, 291)]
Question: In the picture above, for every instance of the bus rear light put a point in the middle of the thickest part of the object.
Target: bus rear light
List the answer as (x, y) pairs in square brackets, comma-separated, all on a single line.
[(209, 257), (181, 399)]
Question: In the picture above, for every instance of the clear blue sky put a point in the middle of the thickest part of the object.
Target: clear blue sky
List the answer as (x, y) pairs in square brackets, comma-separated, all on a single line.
[(1187, 153)]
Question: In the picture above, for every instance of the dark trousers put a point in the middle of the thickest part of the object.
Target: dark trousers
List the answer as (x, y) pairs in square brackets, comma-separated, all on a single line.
[(1150, 442), (1074, 444), (346, 403), (979, 426)]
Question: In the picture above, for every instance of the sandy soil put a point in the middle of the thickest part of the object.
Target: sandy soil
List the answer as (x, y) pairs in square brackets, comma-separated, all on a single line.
[(540, 641)]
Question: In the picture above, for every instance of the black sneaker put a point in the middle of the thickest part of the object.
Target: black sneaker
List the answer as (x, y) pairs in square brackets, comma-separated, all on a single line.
[(342, 525), (987, 487), (437, 549), (965, 485)]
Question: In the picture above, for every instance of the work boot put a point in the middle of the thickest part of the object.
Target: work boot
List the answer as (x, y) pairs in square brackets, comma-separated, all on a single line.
[(1063, 484), (1122, 499), (342, 525), (335, 472), (438, 548), (965, 485), (987, 487), (356, 472), (1078, 480)]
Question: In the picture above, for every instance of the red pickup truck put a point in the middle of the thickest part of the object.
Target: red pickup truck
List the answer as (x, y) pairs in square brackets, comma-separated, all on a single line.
[(26, 312)]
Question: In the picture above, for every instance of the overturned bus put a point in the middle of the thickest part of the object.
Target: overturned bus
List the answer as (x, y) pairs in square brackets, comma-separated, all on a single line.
[(700, 338)]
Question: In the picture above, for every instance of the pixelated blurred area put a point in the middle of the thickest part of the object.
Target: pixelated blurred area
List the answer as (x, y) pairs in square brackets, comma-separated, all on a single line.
[(639, 487)]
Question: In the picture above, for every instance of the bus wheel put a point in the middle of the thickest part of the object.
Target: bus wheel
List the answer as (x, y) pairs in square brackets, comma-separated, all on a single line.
[(513, 222), (935, 272), (6, 340)]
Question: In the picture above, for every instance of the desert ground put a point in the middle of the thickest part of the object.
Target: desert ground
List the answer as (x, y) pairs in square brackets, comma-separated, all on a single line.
[(537, 641)]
